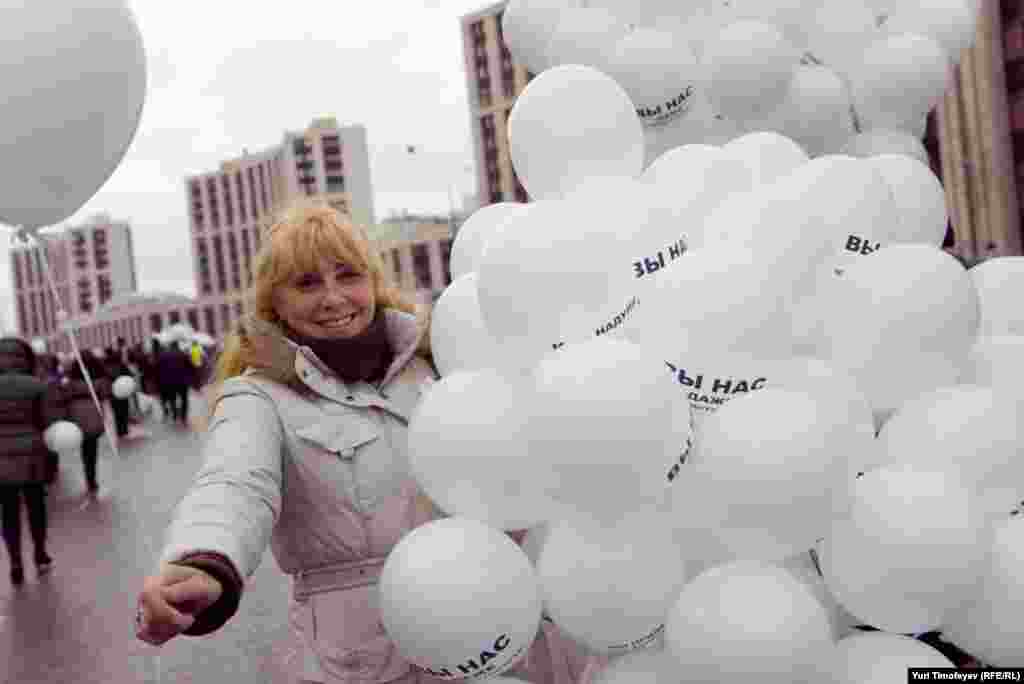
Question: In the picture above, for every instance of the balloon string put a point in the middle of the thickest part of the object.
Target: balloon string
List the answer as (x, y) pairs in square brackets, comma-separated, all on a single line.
[(65, 322)]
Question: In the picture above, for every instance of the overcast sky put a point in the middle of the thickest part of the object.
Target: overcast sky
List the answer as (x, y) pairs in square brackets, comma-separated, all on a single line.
[(228, 75)]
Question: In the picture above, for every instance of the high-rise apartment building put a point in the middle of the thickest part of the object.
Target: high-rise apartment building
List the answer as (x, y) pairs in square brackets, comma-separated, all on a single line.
[(228, 207), (90, 264), (977, 137), (493, 82)]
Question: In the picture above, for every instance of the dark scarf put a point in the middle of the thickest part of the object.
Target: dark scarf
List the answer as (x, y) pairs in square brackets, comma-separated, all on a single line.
[(365, 357)]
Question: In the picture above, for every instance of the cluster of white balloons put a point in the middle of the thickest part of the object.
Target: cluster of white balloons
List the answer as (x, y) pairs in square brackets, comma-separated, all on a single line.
[(818, 71), (681, 375)]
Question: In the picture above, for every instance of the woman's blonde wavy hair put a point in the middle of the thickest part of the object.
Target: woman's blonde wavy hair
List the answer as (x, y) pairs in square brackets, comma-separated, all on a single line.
[(295, 241)]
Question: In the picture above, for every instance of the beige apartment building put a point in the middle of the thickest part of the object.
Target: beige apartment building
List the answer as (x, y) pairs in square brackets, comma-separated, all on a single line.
[(227, 207), (91, 265), (493, 82)]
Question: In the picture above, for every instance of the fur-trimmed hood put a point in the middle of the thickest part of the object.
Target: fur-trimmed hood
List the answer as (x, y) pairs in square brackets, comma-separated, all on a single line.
[(268, 351)]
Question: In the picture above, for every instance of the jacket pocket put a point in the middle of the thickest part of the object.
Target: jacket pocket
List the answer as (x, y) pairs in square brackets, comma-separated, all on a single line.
[(341, 440)]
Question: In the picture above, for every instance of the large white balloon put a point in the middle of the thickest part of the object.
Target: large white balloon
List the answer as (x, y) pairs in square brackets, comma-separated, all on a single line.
[(919, 198), (554, 275), (528, 26), (749, 67), (458, 338), (468, 248), (998, 281), (647, 666), (554, 125), (609, 425), (816, 111), (996, 361), (585, 35), (610, 585), (909, 551), (459, 599), (770, 464), (879, 658), (838, 30), (990, 625), (898, 80), (768, 156), (747, 619), (74, 78), (659, 71), (977, 430), (467, 450), (953, 23), (881, 141)]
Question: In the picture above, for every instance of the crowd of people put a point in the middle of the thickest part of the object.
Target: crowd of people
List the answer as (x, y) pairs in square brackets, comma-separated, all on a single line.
[(39, 389)]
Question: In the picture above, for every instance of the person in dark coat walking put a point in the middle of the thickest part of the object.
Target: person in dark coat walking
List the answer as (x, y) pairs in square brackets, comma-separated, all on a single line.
[(116, 367), (27, 407), (174, 375), (82, 410)]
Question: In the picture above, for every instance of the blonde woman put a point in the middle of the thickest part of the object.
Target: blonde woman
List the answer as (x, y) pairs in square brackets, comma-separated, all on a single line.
[(304, 452)]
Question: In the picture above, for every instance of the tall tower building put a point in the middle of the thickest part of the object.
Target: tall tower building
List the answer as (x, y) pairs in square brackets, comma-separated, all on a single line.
[(227, 207), (90, 264), (977, 137), (493, 82)]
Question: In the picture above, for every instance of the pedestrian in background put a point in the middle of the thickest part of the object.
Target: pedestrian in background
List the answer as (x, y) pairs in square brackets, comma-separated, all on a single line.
[(82, 410), (116, 367), (27, 407), (306, 452), (174, 375)]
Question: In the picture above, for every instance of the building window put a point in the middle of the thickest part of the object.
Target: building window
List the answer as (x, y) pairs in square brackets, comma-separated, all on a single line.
[(263, 188), (446, 258), (211, 323), (239, 187), (155, 323), (229, 207), (104, 288), (174, 317), (22, 318), (84, 295), (203, 257), (247, 256), (252, 192), (225, 315), (335, 184), (238, 310), (218, 257), (236, 270), (211, 193), (421, 265)]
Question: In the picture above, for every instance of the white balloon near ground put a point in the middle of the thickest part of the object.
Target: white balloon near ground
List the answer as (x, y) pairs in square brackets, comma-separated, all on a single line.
[(919, 198), (996, 361), (659, 71), (976, 430), (990, 625), (459, 599), (459, 340), (553, 126), (62, 437), (898, 80), (611, 400), (93, 63), (124, 387), (997, 281), (749, 67), (747, 619), (879, 658), (881, 141), (909, 551), (468, 248), (466, 452), (610, 585)]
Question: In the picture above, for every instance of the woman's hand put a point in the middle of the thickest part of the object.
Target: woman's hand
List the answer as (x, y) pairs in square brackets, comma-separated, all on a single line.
[(170, 602)]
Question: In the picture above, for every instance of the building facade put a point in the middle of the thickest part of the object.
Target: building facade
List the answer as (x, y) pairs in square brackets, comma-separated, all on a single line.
[(493, 82), (91, 264), (134, 317), (417, 256), (228, 207)]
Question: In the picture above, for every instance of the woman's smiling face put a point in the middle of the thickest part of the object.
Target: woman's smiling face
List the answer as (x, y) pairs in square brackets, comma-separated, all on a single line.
[(333, 301)]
